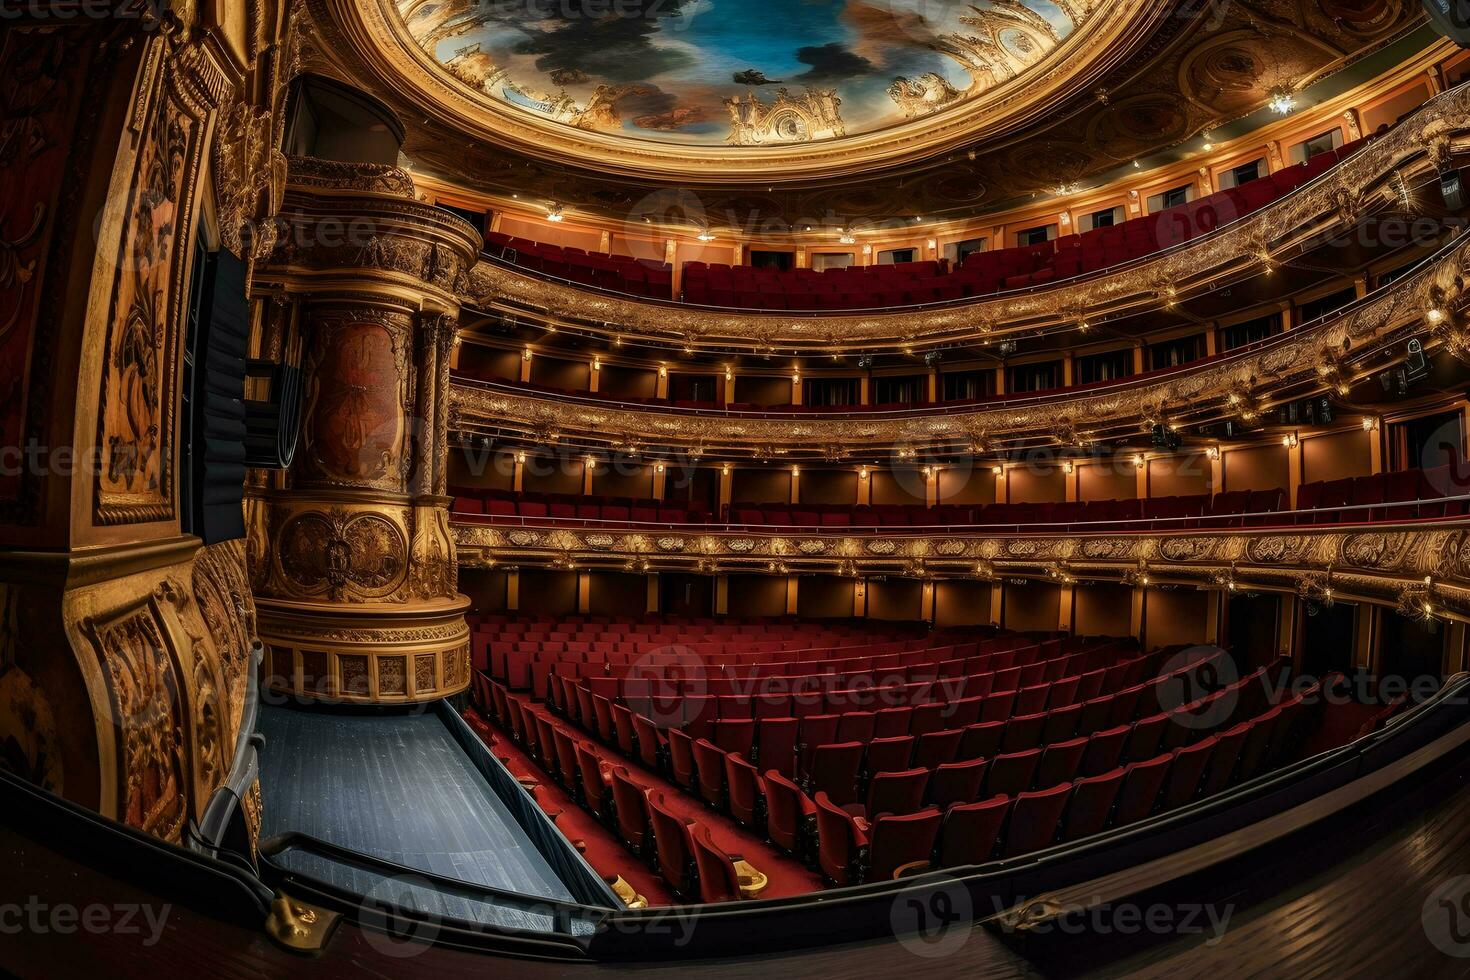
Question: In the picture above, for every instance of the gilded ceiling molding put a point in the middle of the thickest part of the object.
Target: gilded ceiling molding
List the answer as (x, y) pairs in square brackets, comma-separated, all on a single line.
[(1430, 562), (1244, 384), (372, 32), (1369, 181)]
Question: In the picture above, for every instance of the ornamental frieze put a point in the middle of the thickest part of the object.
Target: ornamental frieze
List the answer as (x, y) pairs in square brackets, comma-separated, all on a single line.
[(1369, 564), (1235, 384)]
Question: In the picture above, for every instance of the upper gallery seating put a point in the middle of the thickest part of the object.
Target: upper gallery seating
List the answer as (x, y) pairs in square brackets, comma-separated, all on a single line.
[(1399, 495), (919, 283), (1034, 741), (618, 273)]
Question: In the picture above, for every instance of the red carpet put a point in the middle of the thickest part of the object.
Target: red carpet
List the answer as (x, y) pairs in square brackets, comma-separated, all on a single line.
[(787, 875)]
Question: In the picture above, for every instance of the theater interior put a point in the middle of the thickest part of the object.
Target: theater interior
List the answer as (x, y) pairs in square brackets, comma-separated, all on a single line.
[(808, 487)]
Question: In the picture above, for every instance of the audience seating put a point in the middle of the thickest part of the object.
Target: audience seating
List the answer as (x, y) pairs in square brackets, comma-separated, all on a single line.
[(955, 812), (617, 273), (923, 282), (1400, 495)]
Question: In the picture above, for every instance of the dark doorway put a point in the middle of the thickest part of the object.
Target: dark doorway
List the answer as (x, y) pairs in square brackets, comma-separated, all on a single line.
[(1252, 629)]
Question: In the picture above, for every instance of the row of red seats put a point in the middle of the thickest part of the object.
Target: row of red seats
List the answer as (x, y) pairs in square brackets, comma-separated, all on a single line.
[(1328, 500), (850, 850), (788, 742), (1322, 502), (572, 506), (725, 779), (1199, 510), (919, 283), (617, 273), (859, 287)]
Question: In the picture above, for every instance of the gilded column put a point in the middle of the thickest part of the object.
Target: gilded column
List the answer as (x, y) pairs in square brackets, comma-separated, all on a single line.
[(358, 595)]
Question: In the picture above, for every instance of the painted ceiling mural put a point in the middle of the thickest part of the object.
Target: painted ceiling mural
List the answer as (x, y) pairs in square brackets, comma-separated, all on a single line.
[(738, 72)]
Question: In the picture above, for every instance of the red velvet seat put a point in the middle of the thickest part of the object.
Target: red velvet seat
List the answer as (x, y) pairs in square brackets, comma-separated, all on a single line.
[(672, 844), (896, 792), (1091, 804), (840, 842), (897, 842), (889, 754), (650, 743), (1104, 750), (835, 770), (790, 814), (1141, 785), (937, 748), (1035, 820), (735, 735), (1012, 773), (681, 759), (566, 762), (1061, 724), (777, 748), (1061, 762), (630, 804), (1257, 744), (1024, 732), (746, 798), (1143, 739), (709, 768), (596, 794), (718, 879), (816, 731), (957, 782), (982, 740), (1187, 772), (970, 832)]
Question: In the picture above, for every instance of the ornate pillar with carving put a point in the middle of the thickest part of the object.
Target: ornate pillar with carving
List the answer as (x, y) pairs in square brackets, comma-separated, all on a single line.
[(357, 581)]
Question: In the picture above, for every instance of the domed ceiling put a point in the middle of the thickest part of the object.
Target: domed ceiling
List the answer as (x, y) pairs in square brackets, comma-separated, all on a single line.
[(738, 72), (980, 120)]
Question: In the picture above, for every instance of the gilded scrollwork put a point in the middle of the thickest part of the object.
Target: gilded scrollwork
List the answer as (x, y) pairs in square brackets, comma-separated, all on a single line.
[(1227, 386)]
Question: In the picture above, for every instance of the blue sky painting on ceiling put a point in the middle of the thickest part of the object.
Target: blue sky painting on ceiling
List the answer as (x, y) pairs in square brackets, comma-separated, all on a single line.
[(737, 71)]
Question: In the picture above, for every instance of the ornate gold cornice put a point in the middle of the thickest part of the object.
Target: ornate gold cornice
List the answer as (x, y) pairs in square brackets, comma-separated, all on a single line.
[(1369, 181), (376, 38), (1379, 565), (1239, 385)]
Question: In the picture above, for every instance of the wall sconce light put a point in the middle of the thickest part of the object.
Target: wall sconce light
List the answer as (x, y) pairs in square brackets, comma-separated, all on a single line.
[(1213, 454), (997, 470), (591, 463), (663, 372), (658, 467), (1138, 460), (521, 458), (796, 377), (526, 354), (929, 471), (1069, 467), (867, 250), (597, 364), (705, 236), (725, 469), (729, 375), (1291, 440), (1370, 423), (618, 340), (933, 244), (862, 472), (553, 212)]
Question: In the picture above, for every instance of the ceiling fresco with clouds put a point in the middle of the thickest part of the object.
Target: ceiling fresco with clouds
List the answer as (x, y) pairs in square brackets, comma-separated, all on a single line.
[(738, 72)]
